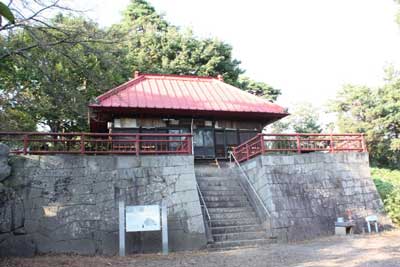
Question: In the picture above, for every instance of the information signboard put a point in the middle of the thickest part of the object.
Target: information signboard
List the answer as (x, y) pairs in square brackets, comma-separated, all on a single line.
[(142, 218)]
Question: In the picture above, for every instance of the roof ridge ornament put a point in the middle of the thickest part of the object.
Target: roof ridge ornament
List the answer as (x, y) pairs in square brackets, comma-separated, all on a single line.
[(220, 77)]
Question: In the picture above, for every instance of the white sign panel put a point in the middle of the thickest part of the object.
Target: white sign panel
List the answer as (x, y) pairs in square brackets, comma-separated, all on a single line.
[(143, 218)]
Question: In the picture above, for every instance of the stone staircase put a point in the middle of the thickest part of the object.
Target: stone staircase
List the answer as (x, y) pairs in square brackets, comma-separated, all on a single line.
[(233, 220)]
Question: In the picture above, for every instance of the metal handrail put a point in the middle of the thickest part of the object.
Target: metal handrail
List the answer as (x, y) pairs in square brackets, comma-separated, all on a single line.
[(251, 186), (208, 219), (203, 202)]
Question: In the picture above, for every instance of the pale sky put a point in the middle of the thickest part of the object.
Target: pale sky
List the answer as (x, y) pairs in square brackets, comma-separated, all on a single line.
[(306, 48)]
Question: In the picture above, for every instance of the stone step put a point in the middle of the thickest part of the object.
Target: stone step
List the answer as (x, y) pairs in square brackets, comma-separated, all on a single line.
[(215, 183), (232, 215), (205, 187), (214, 171), (225, 198), (221, 192), (233, 222), (229, 210), (240, 243), (240, 236), (236, 229), (216, 178), (228, 204)]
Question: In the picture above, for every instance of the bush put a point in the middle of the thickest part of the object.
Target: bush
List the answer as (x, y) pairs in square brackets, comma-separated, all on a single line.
[(387, 182), (392, 205)]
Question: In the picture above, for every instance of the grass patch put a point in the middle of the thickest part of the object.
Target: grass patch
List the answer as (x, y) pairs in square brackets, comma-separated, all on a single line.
[(387, 182)]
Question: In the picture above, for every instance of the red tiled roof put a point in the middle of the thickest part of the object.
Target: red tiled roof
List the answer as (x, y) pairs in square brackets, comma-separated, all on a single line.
[(175, 92)]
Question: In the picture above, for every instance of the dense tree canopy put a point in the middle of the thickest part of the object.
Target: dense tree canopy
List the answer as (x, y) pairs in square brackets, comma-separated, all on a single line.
[(375, 112), (155, 46), (258, 88), (52, 86), (50, 69), (304, 118)]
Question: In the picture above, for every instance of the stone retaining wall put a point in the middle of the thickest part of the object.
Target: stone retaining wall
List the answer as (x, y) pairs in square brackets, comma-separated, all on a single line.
[(5, 169), (306, 193), (67, 204)]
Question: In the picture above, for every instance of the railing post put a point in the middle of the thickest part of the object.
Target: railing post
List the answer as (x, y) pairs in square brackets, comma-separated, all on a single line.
[(189, 145), (298, 143), (363, 143), (332, 144), (26, 140), (137, 145), (82, 143), (110, 141), (262, 143), (247, 152)]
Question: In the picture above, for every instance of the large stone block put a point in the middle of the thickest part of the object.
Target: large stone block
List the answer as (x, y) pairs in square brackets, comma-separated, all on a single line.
[(5, 169), (108, 242), (127, 162), (97, 164), (4, 150), (79, 246), (18, 246), (61, 161), (185, 182), (165, 161)]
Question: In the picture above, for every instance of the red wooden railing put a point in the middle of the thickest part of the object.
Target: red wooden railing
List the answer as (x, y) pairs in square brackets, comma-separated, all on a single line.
[(35, 143), (299, 143)]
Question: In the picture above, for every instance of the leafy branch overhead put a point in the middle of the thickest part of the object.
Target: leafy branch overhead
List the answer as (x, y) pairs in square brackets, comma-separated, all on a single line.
[(5, 12)]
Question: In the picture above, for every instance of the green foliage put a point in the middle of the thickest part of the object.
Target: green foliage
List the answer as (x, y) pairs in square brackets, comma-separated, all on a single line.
[(154, 46), (304, 118), (392, 205), (50, 71), (16, 120), (375, 112), (395, 145), (6, 13), (387, 182), (389, 175), (398, 13), (258, 88), (53, 84)]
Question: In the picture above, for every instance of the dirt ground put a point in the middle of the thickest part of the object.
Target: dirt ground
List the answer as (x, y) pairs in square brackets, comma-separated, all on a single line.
[(374, 250)]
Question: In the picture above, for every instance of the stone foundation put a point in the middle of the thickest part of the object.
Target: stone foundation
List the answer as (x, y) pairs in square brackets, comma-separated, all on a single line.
[(63, 204), (69, 204), (306, 193)]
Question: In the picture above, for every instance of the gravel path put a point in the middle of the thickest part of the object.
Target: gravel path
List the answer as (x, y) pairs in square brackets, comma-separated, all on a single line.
[(377, 250)]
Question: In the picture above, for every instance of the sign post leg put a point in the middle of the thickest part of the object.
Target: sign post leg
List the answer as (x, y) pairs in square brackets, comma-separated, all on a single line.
[(164, 229), (121, 210)]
